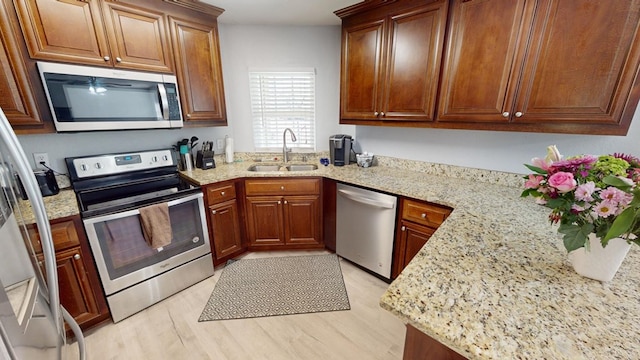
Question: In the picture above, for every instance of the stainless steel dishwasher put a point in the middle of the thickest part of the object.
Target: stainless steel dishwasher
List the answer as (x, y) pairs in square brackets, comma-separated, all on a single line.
[(365, 227)]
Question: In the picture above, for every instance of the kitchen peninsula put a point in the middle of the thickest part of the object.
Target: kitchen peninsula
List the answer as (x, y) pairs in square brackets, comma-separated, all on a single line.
[(493, 282)]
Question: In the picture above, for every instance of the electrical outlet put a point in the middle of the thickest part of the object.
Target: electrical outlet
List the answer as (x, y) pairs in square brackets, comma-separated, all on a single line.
[(41, 158), (220, 144)]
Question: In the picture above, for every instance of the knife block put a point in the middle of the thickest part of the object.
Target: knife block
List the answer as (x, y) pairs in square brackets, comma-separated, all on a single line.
[(204, 160)]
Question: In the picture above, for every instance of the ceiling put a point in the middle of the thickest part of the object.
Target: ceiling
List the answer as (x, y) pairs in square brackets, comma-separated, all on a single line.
[(280, 12)]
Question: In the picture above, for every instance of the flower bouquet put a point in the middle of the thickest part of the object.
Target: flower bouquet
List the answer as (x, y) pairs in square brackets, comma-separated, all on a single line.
[(588, 195)]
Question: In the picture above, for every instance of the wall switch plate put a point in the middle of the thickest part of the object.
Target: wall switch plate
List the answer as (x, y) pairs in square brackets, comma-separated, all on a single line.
[(39, 158), (220, 144)]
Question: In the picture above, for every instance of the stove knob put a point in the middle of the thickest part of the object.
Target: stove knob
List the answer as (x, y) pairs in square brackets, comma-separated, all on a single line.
[(83, 167), (154, 159), (98, 166), (165, 158)]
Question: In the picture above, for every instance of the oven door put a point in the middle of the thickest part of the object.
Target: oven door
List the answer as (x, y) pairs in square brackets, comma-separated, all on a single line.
[(124, 258)]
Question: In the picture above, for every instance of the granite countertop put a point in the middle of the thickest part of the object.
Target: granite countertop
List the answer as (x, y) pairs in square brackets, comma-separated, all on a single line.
[(494, 281), (58, 206)]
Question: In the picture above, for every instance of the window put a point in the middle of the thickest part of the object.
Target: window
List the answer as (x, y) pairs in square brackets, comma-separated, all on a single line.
[(280, 100)]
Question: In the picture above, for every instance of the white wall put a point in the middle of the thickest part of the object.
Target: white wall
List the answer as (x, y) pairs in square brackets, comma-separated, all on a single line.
[(245, 47), (493, 150)]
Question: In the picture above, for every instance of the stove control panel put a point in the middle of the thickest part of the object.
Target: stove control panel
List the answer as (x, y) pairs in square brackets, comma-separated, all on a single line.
[(111, 164)]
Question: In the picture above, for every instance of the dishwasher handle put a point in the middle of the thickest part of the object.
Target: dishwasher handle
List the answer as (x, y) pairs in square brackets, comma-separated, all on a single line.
[(365, 200)]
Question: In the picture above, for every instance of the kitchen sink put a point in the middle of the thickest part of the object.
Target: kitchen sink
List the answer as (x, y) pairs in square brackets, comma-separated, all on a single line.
[(302, 167), (276, 167), (263, 168)]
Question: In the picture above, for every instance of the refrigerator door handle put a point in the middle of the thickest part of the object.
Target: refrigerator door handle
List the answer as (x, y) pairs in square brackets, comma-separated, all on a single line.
[(76, 331)]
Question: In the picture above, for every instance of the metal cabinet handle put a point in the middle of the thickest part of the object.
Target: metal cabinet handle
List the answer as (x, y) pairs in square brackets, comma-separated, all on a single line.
[(76, 256), (222, 193), (505, 114), (519, 114), (423, 215), (281, 187), (286, 202), (106, 58), (279, 202), (118, 59), (375, 113), (382, 113), (188, 116), (213, 212), (404, 228)]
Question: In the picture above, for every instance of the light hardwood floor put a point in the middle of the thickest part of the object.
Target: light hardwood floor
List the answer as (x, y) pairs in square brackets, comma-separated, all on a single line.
[(170, 329)]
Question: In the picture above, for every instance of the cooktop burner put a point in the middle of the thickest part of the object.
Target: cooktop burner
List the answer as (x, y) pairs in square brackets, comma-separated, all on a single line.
[(120, 182)]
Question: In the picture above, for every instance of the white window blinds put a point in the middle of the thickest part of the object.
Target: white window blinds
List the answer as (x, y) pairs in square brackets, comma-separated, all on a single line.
[(280, 100)]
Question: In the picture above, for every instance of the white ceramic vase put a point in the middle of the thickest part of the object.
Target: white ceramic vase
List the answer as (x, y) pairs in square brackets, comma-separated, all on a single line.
[(599, 263)]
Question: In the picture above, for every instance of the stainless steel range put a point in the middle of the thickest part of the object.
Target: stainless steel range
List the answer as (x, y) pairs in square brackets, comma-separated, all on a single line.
[(111, 189)]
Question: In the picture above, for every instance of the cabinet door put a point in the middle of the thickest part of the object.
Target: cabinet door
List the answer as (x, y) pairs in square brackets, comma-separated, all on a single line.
[(137, 38), (225, 228), (264, 220), (479, 71), (362, 50), (199, 71), (582, 62), (413, 63), (64, 30), (76, 294), (302, 220), (16, 95), (410, 239)]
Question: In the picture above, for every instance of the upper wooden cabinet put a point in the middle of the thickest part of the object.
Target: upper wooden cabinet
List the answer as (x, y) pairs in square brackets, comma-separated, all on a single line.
[(96, 32), (547, 65), (391, 62), (199, 72), (16, 96)]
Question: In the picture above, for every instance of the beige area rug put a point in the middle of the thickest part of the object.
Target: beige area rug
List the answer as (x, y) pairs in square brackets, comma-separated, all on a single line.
[(252, 288)]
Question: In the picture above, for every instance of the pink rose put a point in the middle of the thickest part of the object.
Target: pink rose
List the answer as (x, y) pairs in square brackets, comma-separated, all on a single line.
[(563, 181)]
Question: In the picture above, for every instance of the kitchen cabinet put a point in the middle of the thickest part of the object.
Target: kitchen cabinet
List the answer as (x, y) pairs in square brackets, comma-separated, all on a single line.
[(416, 223), (78, 283), (199, 72), (17, 99), (544, 66), (96, 32), (391, 59), (224, 221), (284, 214), (419, 345)]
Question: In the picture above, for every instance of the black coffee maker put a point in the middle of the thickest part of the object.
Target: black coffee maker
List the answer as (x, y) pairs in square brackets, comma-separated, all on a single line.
[(340, 149)]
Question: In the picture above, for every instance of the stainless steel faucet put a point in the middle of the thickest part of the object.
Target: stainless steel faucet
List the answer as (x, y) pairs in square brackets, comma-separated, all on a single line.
[(286, 151)]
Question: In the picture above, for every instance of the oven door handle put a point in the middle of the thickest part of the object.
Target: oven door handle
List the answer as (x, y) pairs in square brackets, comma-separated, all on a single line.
[(197, 196)]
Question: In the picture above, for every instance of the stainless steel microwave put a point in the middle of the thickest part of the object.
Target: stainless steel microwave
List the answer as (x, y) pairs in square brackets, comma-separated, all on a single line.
[(83, 98)]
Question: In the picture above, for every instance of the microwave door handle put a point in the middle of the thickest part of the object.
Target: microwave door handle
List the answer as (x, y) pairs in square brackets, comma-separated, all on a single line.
[(164, 102)]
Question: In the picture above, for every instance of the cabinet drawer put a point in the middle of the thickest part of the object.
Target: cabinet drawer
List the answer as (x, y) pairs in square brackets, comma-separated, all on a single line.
[(283, 187), (64, 236), (221, 193), (423, 213)]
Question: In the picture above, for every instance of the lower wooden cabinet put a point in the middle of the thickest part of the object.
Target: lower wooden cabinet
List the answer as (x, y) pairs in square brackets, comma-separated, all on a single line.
[(284, 214), (80, 291), (224, 216), (225, 228), (418, 345), (416, 223)]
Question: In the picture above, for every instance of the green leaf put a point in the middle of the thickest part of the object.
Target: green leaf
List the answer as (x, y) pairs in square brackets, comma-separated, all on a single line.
[(530, 192), (556, 203), (616, 181), (575, 236), (621, 224), (536, 169)]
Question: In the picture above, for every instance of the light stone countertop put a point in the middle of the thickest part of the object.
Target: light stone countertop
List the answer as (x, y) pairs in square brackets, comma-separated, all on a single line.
[(57, 206), (494, 281)]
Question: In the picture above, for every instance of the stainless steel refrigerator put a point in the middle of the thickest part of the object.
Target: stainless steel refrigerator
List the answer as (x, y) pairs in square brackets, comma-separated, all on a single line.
[(31, 317)]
